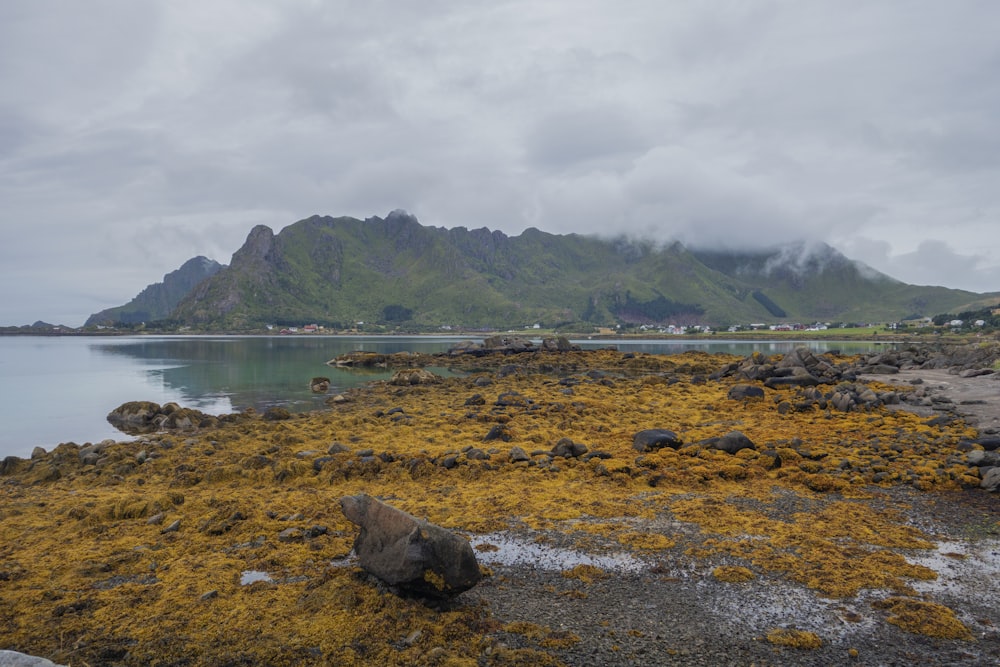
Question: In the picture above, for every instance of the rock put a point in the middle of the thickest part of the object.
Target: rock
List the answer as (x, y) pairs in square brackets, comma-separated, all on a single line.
[(15, 659), (991, 480), (881, 369), (655, 438), (568, 449), (732, 442), (517, 455), (508, 344), (319, 385), (557, 344), (975, 372), (497, 432), (742, 391), (989, 443), (412, 376), (276, 413), (410, 553), (11, 464), (794, 380), (983, 459), (291, 535), (137, 417)]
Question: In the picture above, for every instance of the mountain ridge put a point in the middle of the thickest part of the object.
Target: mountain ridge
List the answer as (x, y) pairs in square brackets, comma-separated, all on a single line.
[(344, 270), (158, 300)]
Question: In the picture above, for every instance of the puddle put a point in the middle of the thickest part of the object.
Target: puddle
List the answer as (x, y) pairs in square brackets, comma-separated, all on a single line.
[(971, 569), (252, 576), (508, 549)]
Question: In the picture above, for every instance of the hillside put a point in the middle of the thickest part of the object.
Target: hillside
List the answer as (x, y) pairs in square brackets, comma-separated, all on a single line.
[(337, 271), (158, 300)]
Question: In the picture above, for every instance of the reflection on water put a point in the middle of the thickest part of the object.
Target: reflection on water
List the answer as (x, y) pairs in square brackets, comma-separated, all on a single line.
[(258, 372), (60, 389)]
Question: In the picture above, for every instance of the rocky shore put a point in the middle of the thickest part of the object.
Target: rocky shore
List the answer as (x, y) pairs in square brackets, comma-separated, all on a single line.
[(625, 509)]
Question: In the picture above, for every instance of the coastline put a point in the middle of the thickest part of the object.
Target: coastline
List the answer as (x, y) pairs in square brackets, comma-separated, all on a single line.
[(825, 547)]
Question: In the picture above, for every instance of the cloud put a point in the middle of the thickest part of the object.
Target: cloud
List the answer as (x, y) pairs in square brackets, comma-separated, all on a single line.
[(933, 262), (135, 135)]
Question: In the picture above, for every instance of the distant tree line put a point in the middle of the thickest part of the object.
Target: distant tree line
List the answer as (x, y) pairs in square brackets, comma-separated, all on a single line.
[(989, 316)]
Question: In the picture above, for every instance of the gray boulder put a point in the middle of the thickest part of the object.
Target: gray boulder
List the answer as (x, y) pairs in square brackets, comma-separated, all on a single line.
[(732, 442), (744, 391), (991, 479), (655, 438), (15, 659), (411, 554)]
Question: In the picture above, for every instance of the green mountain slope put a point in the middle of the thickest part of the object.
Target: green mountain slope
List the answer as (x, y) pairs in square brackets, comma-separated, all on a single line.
[(337, 271), (158, 300)]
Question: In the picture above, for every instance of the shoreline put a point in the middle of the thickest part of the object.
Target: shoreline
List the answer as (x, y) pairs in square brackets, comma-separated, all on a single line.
[(165, 527)]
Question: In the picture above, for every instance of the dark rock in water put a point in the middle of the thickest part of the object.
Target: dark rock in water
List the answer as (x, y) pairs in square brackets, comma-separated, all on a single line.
[(410, 553), (557, 344), (508, 344), (655, 438), (136, 417), (319, 385)]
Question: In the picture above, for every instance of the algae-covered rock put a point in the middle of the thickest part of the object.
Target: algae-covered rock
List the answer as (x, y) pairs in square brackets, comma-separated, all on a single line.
[(411, 376), (137, 417), (407, 552)]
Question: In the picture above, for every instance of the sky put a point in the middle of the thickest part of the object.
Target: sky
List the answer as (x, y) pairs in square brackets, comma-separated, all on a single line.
[(136, 134)]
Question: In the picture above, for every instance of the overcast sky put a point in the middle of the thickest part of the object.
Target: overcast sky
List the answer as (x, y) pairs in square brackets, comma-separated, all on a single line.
[(136, 134)]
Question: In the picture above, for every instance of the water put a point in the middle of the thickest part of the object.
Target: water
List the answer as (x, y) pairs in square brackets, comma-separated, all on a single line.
[(60, 389)]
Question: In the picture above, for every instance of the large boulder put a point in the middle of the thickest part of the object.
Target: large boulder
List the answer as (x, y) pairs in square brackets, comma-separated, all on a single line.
[(655, 438), (731, 442), (136, 417), (414, 555), (15, 659)]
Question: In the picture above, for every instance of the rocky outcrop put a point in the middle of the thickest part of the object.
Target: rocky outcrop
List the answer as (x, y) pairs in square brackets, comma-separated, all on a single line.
[(799, 368), (409, 553), (411, 376), (137, 417)]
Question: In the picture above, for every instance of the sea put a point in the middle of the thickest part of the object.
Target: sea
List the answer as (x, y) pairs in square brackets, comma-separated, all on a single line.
[(56, 389)]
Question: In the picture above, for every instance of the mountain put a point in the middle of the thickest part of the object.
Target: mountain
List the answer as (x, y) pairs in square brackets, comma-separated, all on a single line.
[(158, 300), (338, 271)]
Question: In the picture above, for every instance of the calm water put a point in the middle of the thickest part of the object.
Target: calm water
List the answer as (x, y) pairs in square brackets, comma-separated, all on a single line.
[(59, 389)]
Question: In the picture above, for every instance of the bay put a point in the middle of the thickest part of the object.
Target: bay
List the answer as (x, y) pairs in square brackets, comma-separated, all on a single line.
[(60, 389)]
